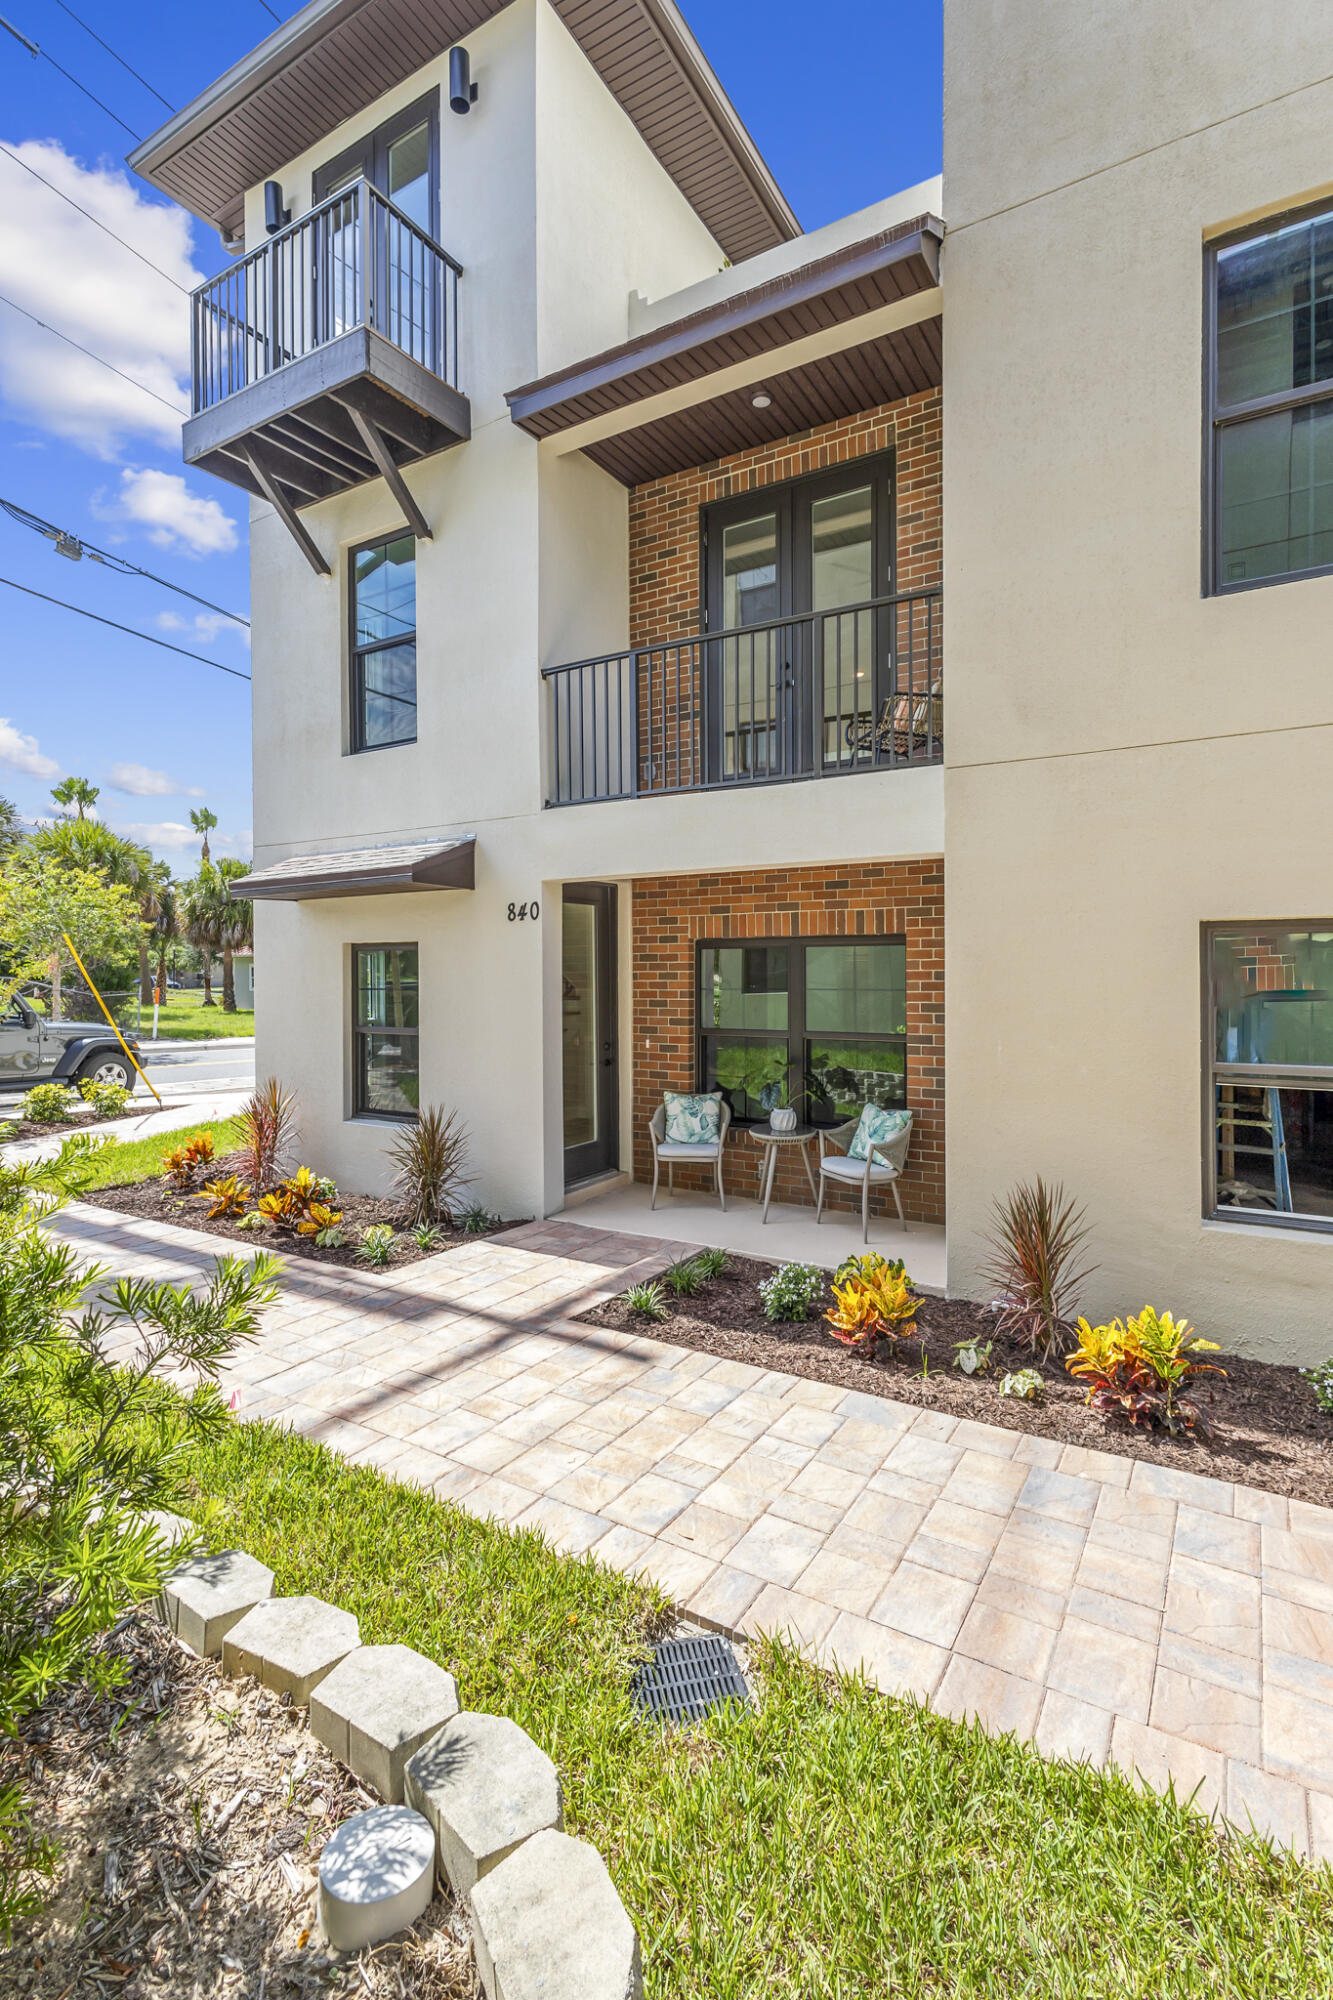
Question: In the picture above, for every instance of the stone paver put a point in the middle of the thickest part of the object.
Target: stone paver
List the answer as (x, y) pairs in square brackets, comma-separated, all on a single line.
[(1103, 1607)]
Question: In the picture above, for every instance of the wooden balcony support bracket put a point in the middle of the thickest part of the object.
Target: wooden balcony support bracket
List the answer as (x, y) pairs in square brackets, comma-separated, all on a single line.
[(282, 506), (373, 440)]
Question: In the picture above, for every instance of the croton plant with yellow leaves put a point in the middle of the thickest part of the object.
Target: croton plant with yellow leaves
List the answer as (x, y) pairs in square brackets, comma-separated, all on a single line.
[(874, 1297), (1139, 1367)]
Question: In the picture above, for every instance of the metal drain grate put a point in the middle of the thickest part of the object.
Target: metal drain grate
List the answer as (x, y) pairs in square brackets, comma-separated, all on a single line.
[(687, 1677)]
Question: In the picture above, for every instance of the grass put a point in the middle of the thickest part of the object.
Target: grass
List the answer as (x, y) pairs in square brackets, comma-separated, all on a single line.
[(121, 1162), (826, 1844), (184, 1017)]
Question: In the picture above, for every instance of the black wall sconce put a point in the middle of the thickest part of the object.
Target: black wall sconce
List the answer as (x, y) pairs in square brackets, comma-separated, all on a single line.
[(275, 215), (462, 90)]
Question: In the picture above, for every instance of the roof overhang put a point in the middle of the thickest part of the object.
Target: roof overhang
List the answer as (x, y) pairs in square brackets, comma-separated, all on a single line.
[(854, 329), (335, 57), (364, 871)]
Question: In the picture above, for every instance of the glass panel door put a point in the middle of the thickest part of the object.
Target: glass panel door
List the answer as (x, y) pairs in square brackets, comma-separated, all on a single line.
[(842, 571), (747, 671), (588, 1030)]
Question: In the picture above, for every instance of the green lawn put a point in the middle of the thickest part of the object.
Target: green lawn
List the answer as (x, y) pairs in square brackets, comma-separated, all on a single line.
[(828, 1844), (184, 1017), (120, 1162)]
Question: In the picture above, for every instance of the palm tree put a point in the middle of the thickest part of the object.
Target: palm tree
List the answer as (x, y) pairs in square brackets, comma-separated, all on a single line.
[(203, 918), (75, 792), (166, 924), (203, 823), (238, 927), (11, 827)]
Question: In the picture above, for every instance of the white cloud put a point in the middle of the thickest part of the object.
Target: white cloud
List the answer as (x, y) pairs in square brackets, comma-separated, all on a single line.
[(162, 503), (142, 783), (204, 625), (170, 837), (21, 753), (58, 265)]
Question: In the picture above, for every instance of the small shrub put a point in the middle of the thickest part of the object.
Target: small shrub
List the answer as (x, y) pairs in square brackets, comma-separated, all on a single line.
[(106, 1100), (376, 1245), (972, 1356), (253, 1223), (790, 1292), (1026, 1384), (331, 1237), (186, 1163), (228, 1197), (268, 1132), (478, 1221), (712, 1262), (295, 1204), (429, 1158), (49, 1104), (426, 1235), (1035, 1237), (1321, 1382), (1138, 1369), (874, 1297), (648, 1301), (685, 1277)]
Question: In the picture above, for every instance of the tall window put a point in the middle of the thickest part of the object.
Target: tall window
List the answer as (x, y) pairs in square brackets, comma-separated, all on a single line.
[(386, 1074), (1270, 1079), (384, 644), (827, 1015), (1271, 404)]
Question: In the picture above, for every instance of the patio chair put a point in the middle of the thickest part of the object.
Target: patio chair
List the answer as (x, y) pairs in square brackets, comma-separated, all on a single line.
[(699, 1153), (905, 724), (882, 1166)]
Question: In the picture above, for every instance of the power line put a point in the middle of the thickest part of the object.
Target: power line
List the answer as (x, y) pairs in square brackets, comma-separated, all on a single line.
[(75, 546), (34, 51), (97, 619), (268, 10), (127, 67), (133, 382), (182, 289)]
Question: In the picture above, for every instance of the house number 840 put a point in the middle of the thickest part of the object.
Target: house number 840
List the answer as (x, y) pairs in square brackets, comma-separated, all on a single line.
[(520, 912)]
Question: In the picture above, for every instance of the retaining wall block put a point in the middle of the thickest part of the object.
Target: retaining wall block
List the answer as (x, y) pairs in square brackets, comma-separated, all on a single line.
[(548, 1925), (290, 1644), (206, 1597), (377, 1707), (485, 1787)]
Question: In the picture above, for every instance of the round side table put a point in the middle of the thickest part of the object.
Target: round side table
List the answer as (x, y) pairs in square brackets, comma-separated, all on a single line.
[(771, 1142)]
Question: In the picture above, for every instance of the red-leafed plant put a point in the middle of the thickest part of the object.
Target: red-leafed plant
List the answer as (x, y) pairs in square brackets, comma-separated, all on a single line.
[(268, 1133), (1036, 1235)]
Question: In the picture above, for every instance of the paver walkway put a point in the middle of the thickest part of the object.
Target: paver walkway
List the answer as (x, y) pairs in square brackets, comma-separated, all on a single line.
[(1101, 1606)]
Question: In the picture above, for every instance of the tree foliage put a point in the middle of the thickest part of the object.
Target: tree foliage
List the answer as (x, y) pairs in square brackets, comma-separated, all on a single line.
[(43, 899)]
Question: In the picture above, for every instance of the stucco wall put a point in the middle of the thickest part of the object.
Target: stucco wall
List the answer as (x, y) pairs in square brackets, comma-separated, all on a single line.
[(1126, 759)]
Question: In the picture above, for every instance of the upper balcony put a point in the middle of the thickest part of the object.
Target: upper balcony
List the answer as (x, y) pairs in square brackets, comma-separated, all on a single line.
[(328, 357)]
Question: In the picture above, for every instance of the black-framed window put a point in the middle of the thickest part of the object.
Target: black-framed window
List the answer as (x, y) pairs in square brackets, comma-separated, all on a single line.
[(825, 1015), (386, 1029), (383, 579), (401, 158), (1269, 1081), (1270, 402)]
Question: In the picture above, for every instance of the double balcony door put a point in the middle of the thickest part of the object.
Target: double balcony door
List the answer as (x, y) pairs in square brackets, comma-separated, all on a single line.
[(401, 160), (796, 680)]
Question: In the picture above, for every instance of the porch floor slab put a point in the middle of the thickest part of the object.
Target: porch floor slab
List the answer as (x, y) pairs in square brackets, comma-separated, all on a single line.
[(790, 1236), (1098, 1607)]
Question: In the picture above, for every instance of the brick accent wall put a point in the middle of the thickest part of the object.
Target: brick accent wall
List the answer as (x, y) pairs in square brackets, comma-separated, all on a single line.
[(872, 899), (664, 514)]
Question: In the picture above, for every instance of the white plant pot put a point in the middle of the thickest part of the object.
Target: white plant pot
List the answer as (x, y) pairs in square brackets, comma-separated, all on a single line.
[(783, 1119)]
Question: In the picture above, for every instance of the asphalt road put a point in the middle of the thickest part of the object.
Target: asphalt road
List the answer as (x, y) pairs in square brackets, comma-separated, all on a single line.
[(215, 1068)]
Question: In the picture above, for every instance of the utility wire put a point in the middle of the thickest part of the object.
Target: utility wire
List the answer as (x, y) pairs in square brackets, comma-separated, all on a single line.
[(184, 651), (268, 10), (132, 380), (35, 51), (75, 546), (127, 67), (182, 289)]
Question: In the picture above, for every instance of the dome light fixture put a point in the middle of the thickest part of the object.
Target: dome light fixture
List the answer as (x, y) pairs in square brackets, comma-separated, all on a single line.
[(761, 400)]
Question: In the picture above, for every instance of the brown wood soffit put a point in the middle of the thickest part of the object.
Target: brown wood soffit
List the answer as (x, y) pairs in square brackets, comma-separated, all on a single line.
[(883, 269), (364, 871), (336, 57)]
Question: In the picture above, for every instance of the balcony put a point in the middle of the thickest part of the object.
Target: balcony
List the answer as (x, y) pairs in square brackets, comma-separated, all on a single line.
[(328, 357), (818, 695)]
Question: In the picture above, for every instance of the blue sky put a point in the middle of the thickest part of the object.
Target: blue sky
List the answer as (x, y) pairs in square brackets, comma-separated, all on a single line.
[(843, 116)]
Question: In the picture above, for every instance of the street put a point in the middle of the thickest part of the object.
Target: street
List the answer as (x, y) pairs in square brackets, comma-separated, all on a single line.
[(183, 1070)]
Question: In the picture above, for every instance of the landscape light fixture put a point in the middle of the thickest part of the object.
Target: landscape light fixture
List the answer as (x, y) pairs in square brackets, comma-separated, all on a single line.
[(462, 90), (761, 400)]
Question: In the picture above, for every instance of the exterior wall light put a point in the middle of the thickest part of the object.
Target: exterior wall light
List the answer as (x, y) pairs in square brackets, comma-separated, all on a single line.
[(275, 215), (462, 90), (761, 400)]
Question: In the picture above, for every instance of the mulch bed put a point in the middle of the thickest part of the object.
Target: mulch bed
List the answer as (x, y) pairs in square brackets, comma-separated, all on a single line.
[(80, 1121), (190, 1812), (1269, 1432), (157, 1201)]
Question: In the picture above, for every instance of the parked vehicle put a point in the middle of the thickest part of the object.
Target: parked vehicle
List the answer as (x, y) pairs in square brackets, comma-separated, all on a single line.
[(33, 1049)]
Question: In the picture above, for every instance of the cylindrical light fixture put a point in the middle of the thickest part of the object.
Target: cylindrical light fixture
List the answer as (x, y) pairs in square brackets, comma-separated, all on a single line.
[(761, 400), (462, 90)]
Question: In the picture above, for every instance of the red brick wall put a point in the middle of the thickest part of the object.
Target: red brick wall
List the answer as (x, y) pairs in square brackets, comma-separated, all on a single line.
[(671, 913)]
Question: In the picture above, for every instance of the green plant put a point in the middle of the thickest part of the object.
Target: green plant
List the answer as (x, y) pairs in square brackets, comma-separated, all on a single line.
[(478, 1221), (268, 1132), (685, 1277), (874, 1297), (429, 1158), (791, 1291), (253, 1223), (228, 1197), (712, 1263), (1026, 1384), (1138, 1369), (1321, 1382), (184, 1164), (647, 1300), (331, 1237), (972, 1356), (1035, 1238), (295, 1204), (376, 1245), (107, 1100), (426, 1235), (48, 1104)]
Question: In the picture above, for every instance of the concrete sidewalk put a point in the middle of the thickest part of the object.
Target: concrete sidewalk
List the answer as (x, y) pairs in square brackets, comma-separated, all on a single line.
[(1101, 1607)]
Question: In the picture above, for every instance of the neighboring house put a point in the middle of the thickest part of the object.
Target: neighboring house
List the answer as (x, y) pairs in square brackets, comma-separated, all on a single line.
[(598, 553), (243, 976)]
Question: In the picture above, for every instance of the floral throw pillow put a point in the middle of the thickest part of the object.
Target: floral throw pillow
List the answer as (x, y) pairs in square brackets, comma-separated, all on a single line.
[(692, 1120), (875, 1128)]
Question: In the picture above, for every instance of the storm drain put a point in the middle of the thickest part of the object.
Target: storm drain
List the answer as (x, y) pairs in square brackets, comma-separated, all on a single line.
[(686, 1678)]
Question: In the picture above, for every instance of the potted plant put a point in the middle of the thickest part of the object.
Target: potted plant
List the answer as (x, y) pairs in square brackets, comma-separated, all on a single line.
[(780, 1101)]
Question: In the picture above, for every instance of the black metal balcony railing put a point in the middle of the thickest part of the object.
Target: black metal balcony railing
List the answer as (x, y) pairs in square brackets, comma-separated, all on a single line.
[(355, 261), (859, 688)]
